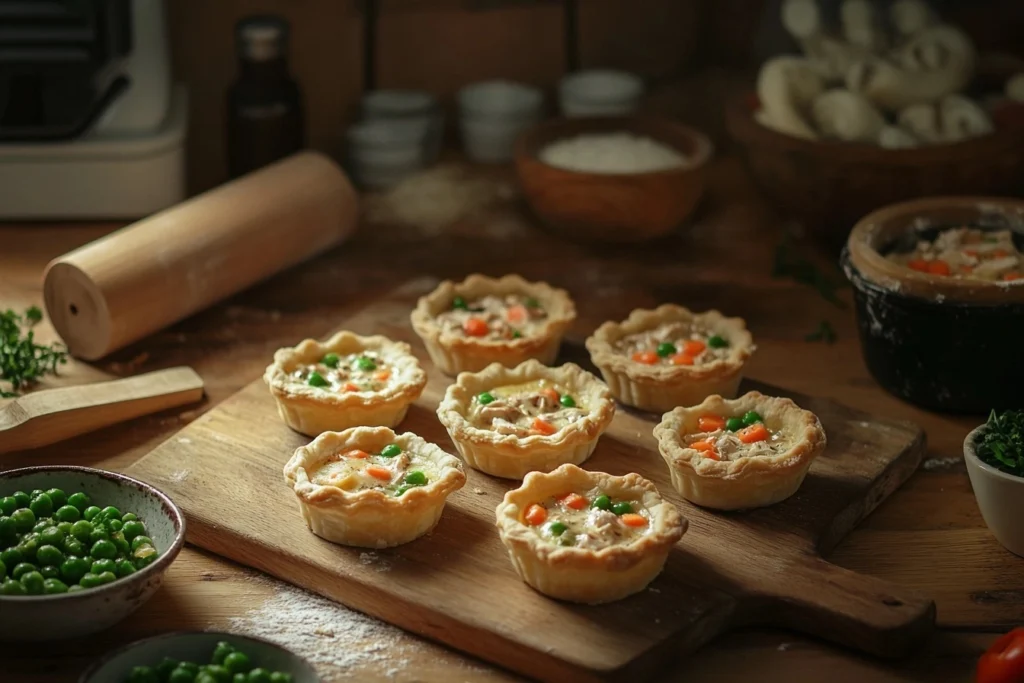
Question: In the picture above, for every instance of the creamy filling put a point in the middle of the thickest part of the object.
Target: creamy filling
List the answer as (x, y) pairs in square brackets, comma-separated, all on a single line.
[(392, 470), (536, 407), (590, 520), (966, 253), (363, 371), (674, 344), (494, 317), (732, 438)]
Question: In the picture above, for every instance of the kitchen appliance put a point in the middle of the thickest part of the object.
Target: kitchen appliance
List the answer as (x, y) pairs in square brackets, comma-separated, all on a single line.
[(91, 125)]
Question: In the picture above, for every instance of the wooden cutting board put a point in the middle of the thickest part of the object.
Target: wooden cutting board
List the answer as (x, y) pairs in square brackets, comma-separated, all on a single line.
[(457, 585)]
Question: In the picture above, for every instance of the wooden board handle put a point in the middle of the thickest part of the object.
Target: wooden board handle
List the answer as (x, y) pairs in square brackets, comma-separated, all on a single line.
[(826, 601), (53, 415)]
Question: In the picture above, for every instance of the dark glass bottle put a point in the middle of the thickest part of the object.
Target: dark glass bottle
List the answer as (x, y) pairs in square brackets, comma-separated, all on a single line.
[(265, 116)]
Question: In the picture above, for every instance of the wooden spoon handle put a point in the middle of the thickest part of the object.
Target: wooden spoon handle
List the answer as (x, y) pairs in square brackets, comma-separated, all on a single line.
[(53, 415)]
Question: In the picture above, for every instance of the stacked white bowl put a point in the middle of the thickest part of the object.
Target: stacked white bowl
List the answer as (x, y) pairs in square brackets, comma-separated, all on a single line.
[(600, 92), (492, 114)]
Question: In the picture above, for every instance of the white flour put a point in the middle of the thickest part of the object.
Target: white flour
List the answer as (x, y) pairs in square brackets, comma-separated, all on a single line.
[(942, 463)]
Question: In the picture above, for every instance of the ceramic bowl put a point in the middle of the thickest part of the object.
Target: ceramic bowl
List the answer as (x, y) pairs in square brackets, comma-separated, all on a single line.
[(197, 647), (600, 92), (493, 114), (1000, 496), (409, 105), (69, 615), (381, 153), (613, 208)]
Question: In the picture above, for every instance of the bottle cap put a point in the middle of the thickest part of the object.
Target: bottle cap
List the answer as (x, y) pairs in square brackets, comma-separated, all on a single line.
[(261, 38)]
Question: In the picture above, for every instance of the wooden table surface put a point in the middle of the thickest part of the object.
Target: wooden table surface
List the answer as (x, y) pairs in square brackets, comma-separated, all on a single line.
[(929, 535)]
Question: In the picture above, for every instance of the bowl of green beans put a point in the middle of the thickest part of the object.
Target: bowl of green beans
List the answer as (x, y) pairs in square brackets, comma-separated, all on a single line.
[(80, 549), (201, 657)]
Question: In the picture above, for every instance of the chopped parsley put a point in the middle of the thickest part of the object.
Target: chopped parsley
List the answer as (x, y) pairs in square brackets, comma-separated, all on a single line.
[(22, 360), (1002, 442)]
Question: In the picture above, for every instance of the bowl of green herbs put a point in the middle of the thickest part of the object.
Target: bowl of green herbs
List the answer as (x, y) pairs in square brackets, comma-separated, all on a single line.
[(994, 453)]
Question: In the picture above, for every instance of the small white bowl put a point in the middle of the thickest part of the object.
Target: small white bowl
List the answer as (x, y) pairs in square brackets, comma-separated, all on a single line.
[(500, 99), (600, 92), (408, 105), (382, 153), (116, 667), (1000, 497)]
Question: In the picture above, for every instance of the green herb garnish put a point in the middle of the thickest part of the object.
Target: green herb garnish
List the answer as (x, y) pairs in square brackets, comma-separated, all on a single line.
[(22, 360), (789, 263), (1002, 442), (824, 333)]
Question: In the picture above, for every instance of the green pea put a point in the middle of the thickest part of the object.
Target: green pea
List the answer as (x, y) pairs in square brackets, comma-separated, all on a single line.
[(21, 569), (280, 677), (11, 557), (73, 569), (182, 675), (99, 533), (221, 651), (416, 478), (103, 550), (165, 668), (8, 528), (24, 519), (48, 554), (622, 508), (665, 349), (532, 302), (90, 512), (391, 450), (317, 380), (51, 536), (516, 334), (129, 517), (141, 540), (259, 676), (67, 513), (81, 530), (29, 545), (115, 524), (240, 678), (3, 571), (207, 677), (12, 587), (53, 586), (100, 566), (734, 424), (602, 502), (107, 577), (400, 491), (50, 572), (43, 524), (123, 547), (459, 303), (22, 499), (65, 528), (8, 505), (41, 505), (143, 674), (365, 364), (72, 546), (557, 528), (567, 401), (144, 556), (331, 360), (717, 342), (78, 500), (133, 529), (751, 417), (124, 568), (90, 580), (33, 583), (191, 667), (237, 662), (58, 497), (485, 398)]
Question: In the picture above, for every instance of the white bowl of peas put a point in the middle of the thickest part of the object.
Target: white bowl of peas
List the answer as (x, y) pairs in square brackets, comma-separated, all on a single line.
[(80, 549)]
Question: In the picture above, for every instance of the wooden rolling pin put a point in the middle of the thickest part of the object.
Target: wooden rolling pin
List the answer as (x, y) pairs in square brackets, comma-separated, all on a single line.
[(161, 269), (49, 416)]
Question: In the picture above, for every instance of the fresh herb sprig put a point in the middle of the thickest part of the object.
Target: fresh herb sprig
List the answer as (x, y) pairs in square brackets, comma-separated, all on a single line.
[(1002, 442), (22, 360), (825, 333), (790, 263)]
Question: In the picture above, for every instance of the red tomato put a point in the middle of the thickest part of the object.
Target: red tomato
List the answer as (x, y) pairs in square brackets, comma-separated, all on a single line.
[(1004, 660)]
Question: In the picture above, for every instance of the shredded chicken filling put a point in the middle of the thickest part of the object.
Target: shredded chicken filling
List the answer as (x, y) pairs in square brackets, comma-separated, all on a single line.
[(363, 371), (394, 470), (966, 253), (494, 317), (674, 343), (539, 407), (729, 446), (589, 527)]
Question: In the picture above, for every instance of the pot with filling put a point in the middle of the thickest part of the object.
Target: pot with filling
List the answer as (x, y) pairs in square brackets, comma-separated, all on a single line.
[(467, 326), (659, 359), (345, 382), (747, 452), (587, 537), (508, 422), (372, 488), (965, 253)]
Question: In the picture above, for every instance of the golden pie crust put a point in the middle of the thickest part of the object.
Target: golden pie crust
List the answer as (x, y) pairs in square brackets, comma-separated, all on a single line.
[(511, 456), (455, 353), (312, 411), (370, 518), (658, 388), (579, 574), (747, 482)]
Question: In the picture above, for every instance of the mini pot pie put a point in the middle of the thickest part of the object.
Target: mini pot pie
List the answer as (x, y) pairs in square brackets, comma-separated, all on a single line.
[(743, 453), (657, 360), (345, 382), (371, 488), (585, 536), (508, 422), (467, 326)]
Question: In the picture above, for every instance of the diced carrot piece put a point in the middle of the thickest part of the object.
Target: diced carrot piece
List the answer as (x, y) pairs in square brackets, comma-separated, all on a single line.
[(939, 267), (551, 394), (682, 359), (918, 264), (753, 433), (1000, 253), (356, 453), (646, 357), (517, 314), (475, 327), (574, 501), (634, 520), (350, 387), (710, 423), (971, 252), (543, 427), (1010, 277), (378, 472), (383, 375), (536, 514), (694, 347), (966, 270), (706, 448)]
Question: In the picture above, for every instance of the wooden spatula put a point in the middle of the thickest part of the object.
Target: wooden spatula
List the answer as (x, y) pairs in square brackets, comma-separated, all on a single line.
[(53, 415)]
